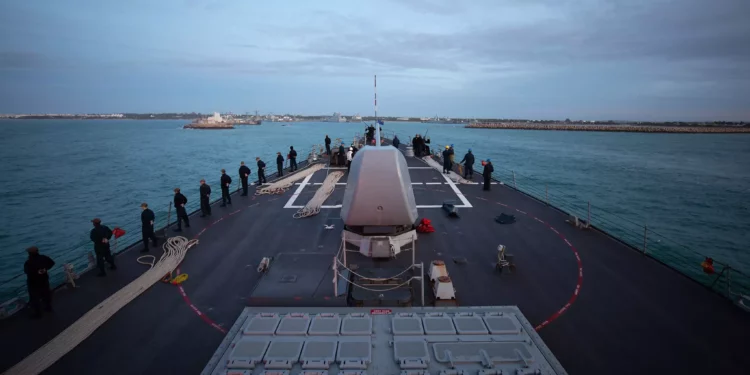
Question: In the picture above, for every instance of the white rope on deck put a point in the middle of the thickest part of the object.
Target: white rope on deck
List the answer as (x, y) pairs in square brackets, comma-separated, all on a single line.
[(174, 252), (312, 207), (281, 186), (453, 176)]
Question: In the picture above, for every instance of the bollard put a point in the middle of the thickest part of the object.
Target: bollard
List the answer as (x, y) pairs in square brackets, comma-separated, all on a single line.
[(514, 180), (645, 237)]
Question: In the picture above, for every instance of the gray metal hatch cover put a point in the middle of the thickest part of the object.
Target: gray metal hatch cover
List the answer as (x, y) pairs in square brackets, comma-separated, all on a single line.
[(438, 325), (284, 351), (502, 324), (404, 350), (294, 324), (496, 352), (262, 324), (469, 325), (247, 353), (356, 324), (407, 324), (358, 350), (325, 324)]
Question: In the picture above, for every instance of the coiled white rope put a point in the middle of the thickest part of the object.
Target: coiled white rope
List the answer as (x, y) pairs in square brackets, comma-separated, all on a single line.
[(312, 207), (454, 176), (174, 252), (281, 186)]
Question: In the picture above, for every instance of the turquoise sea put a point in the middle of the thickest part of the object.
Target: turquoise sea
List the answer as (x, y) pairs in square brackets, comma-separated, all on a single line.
[(691, 190)]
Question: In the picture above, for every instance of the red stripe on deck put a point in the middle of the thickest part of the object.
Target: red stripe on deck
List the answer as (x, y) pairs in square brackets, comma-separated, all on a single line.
[(579, 282)]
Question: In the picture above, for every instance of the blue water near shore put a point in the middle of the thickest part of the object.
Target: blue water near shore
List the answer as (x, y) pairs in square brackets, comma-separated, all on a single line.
[(55, 175)]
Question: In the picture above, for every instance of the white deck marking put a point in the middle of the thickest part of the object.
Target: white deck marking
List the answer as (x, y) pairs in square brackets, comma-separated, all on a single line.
[(466, 203), (418, 206), (296, 192)]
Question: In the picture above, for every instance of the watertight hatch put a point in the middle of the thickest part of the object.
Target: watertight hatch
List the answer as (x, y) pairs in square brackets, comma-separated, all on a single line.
[(294, 324), (247, 353), (406, 325), (283, 351), (318, 354), (410, 350), (262, 325), (502, 325), (470, 325), (325, 325), (438, 325), (481, 352), (354, 351), (356, 324)]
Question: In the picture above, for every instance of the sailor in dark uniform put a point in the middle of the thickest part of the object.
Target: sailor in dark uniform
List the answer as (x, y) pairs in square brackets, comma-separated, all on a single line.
[(342, 155), (261, 171), (395, 142), (205, 193), (328, 145), (280, 164), (147, 227), (100, 236), (226, 181), (468, 162), (447, 160), (179, 203), (37, 281), (292, 159), (244, 174), (487, 173)]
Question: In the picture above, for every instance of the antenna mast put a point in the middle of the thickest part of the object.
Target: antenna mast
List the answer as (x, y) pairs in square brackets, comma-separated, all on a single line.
[(377, 123)]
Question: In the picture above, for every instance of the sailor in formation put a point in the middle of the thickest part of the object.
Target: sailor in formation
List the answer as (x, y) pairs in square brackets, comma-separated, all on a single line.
[(100, 236), (395, 142), (447, 160), (226, 181), (468, 162), (342, 155), (261, 171), (37, 281), (328, 145), (487, 173), (280, 164), (147, 227), (205, 194), (292, 159), (179, 204), (244, 175)]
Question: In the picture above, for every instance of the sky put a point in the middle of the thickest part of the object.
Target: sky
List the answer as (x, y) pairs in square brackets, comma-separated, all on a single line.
[(653, 60)]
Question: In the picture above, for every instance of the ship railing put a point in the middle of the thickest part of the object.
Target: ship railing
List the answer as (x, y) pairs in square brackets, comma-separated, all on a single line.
[(80, 254), (721, 277)]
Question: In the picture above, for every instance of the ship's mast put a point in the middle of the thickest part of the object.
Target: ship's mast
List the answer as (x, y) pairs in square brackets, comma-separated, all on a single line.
[(377, 124)]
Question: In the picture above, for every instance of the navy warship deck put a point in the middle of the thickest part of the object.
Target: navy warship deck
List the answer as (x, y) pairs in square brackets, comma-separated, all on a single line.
[(599, 306)]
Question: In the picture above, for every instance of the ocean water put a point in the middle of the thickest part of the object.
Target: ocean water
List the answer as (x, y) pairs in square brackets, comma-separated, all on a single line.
[(691, 190)]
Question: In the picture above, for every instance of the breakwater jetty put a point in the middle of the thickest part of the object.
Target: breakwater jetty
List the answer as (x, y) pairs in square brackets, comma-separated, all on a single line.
[(611, 128)]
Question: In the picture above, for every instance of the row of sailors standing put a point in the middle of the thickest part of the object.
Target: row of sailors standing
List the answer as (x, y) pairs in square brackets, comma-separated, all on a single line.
[(420, 145), (37, 266)]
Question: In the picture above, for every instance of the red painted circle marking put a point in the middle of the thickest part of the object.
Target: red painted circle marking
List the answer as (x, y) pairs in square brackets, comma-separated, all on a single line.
[(579, 282), (184, 295)]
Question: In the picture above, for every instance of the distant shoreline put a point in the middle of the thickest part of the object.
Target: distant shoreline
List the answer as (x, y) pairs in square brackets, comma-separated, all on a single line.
[(614, 128)]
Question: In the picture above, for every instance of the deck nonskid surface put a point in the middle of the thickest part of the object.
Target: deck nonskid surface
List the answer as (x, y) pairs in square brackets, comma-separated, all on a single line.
[(631, 315)]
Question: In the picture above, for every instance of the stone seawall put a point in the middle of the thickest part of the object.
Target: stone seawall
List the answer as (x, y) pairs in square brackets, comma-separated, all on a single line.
[(612, 128)]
